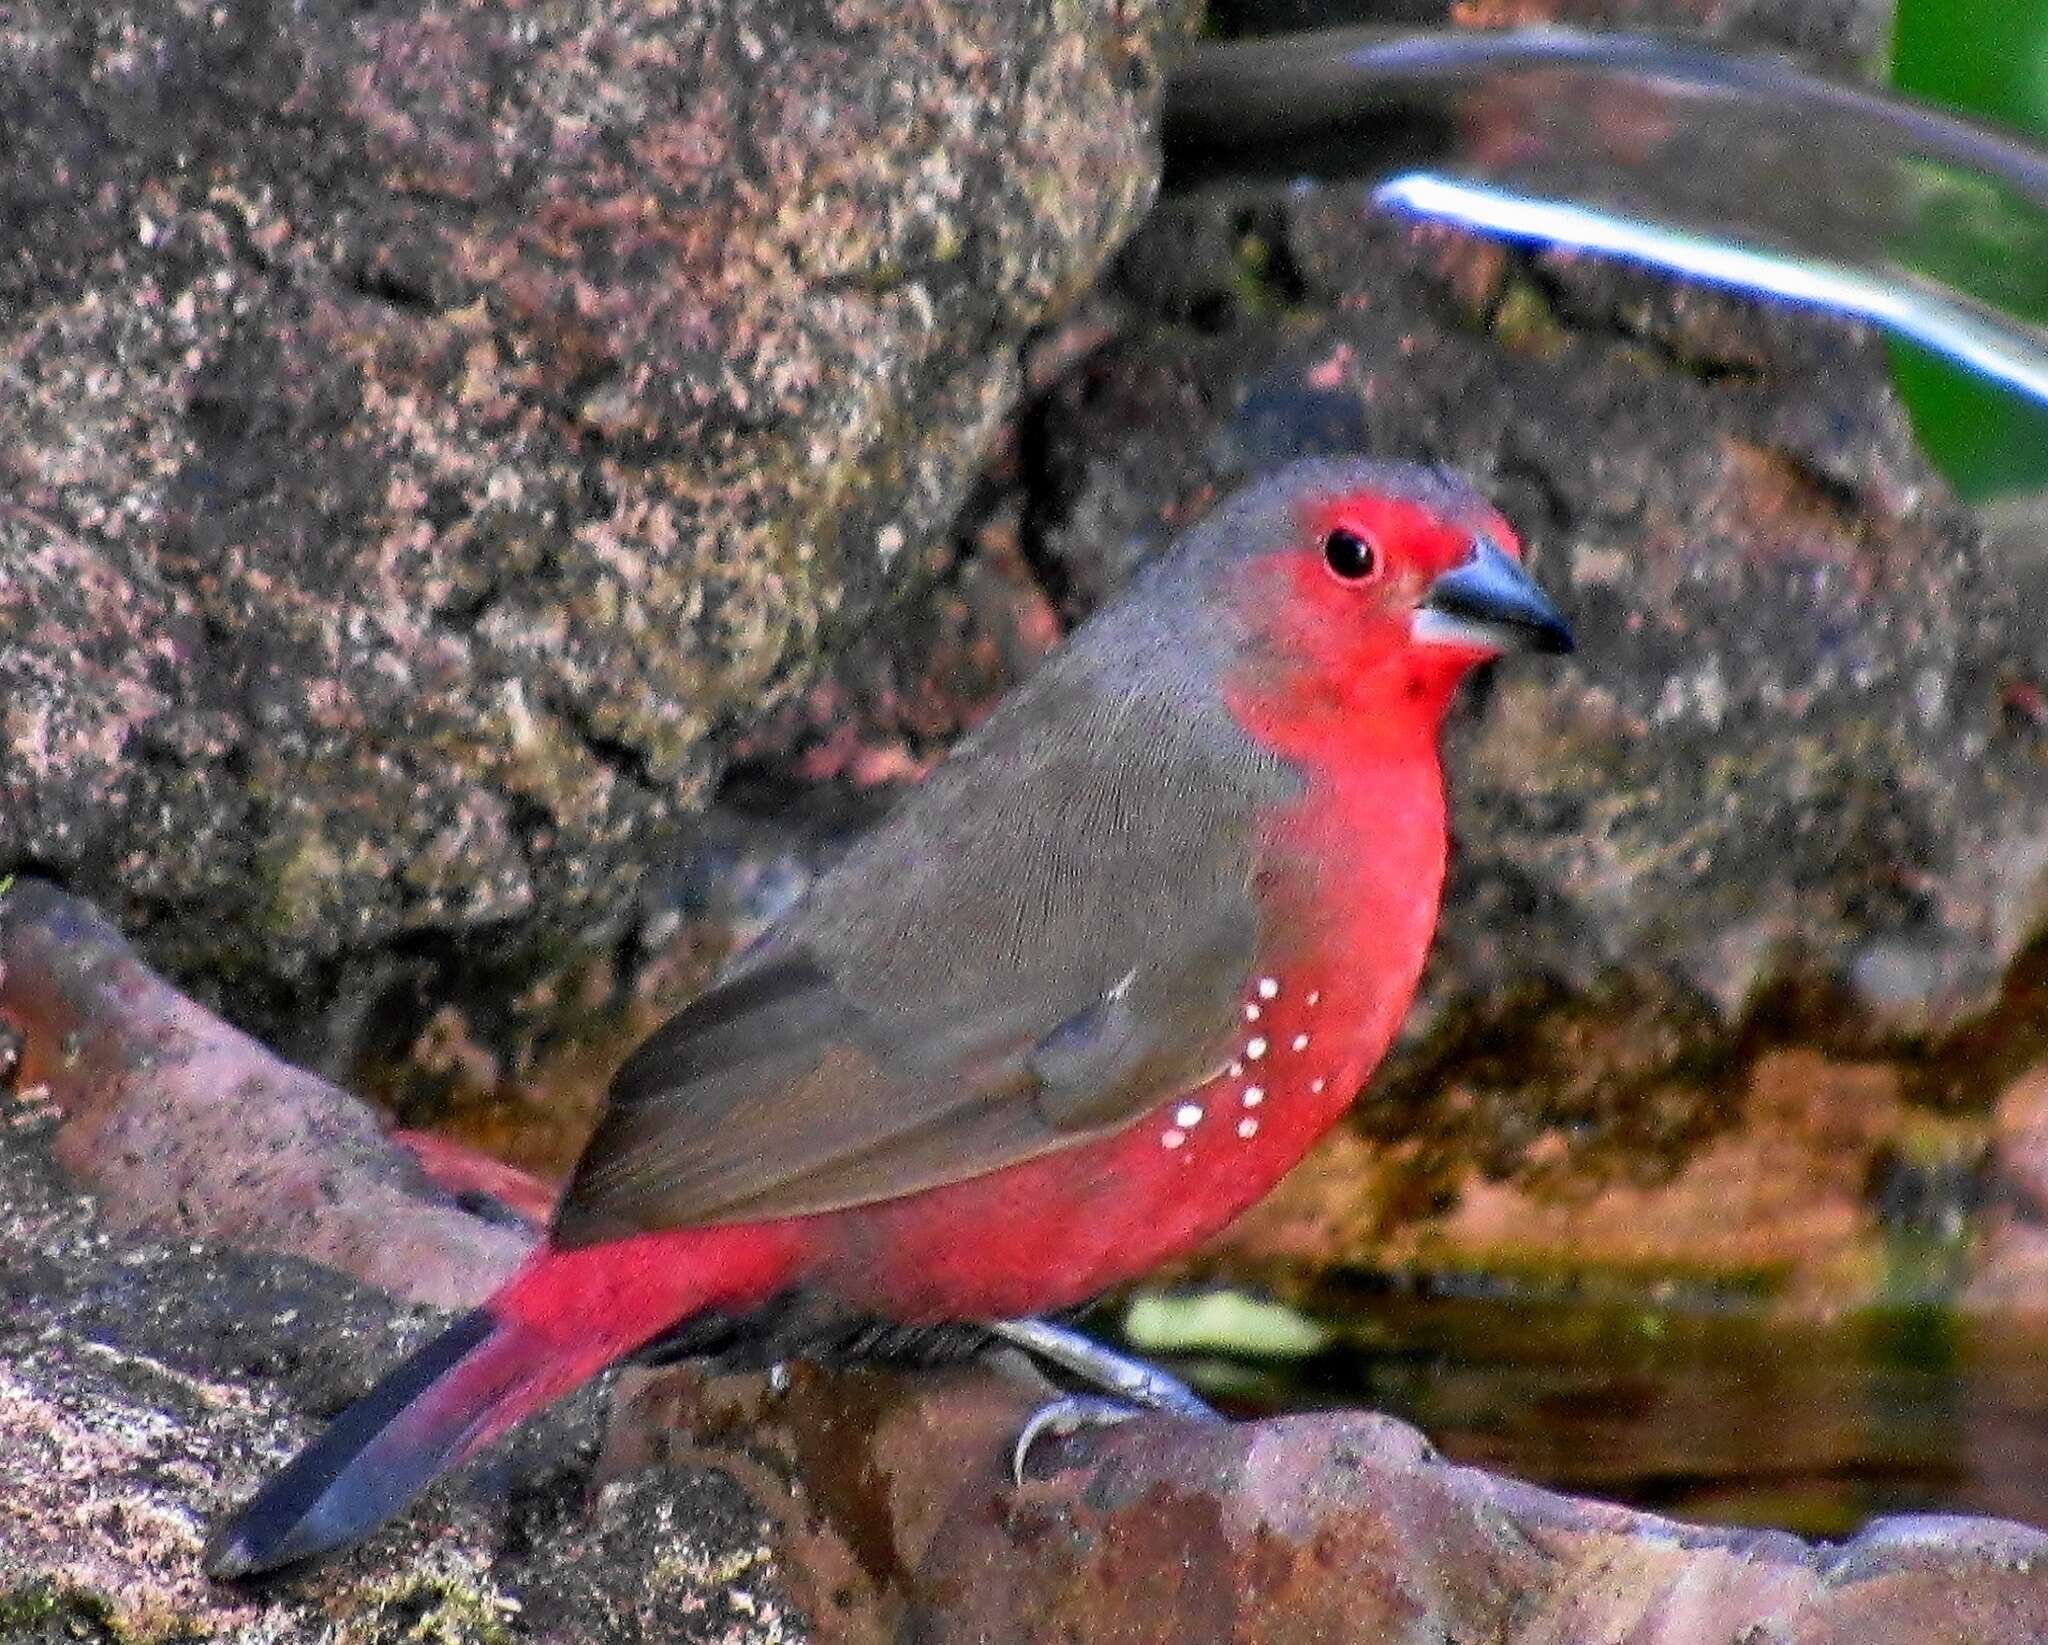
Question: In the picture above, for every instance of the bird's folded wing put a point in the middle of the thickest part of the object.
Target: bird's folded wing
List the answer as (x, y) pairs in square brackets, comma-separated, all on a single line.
[(1049, 935), (774, 1095)]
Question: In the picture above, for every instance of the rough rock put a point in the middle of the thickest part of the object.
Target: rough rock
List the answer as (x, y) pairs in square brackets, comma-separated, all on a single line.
[(184, 1124), (2013, 1265), (439, 427), (1853, 31), (1352, 1527), (148, 1384), (1848, 34)]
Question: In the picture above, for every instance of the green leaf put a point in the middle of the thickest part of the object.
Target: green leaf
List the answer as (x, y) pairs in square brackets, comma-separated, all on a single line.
[(1221, 1322), (1984, 57)]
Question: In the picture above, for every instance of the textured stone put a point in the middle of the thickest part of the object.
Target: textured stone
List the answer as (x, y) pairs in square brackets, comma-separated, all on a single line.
[(1352, 1527), (1846, 33), (145, 1384), (442, 425), (184, 1124)]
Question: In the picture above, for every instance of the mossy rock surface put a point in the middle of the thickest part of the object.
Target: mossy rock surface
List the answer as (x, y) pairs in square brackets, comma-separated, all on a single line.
[(147, 1385), (434, 433)]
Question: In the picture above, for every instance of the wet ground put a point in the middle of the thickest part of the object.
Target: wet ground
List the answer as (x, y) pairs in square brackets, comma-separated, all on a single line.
[(1709, 1414)]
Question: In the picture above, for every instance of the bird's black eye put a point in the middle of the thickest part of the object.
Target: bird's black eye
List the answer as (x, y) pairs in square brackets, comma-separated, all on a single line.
[(1350, 556)]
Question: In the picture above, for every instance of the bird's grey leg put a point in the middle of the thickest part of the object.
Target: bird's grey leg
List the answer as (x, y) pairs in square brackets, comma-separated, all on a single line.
[(1128, 1386), (1103, 1369)]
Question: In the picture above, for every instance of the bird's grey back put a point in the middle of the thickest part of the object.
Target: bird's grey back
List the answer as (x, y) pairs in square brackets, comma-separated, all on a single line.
[(1108, 804), (1109, 801)]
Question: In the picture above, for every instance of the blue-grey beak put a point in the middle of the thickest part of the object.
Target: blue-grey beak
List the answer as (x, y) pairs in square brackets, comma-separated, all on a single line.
[(1489, 603)]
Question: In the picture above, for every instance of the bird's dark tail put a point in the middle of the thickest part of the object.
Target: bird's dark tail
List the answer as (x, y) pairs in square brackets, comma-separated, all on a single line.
[(425, 1416), (555, 1325)]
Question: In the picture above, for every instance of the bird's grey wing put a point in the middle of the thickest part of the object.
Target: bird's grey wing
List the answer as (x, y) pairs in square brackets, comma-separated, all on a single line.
[(1052, 934), (774, 1095)]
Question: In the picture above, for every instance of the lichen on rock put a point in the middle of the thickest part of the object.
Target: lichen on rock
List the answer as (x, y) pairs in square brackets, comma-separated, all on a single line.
[(438, 430)]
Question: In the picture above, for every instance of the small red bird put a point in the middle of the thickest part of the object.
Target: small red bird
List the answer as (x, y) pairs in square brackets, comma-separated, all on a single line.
[(1086, 995)]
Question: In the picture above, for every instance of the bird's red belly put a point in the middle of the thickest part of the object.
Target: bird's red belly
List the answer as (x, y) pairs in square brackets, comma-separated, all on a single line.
[(1313, 1022), (1056, 1230)]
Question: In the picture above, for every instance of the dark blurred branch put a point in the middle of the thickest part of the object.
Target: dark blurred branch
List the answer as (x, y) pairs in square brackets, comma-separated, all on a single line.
[(1732, 168)]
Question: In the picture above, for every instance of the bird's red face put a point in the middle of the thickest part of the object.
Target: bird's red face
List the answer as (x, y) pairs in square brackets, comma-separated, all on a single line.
[(1375, 604)]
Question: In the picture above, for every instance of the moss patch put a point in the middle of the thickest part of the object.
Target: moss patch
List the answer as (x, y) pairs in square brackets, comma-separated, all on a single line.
[(47, 1613), (433, 1608)]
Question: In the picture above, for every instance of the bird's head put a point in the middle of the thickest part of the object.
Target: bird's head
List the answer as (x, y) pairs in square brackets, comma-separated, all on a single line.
[(1360, 593)]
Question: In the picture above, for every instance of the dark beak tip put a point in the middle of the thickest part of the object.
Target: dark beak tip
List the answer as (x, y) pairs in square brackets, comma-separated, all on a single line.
[(1492, 589)]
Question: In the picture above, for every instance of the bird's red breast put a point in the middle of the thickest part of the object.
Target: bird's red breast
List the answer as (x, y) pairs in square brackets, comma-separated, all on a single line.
[(1348, 882)]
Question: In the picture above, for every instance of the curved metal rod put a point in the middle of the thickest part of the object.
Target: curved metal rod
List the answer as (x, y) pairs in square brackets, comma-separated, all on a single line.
[(1978, 340), (1745, 171)]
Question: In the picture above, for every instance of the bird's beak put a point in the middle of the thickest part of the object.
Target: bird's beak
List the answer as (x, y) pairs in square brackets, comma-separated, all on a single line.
[(1489, 604)]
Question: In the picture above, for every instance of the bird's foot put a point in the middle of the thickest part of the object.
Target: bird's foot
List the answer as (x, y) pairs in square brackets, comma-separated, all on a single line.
[(1103, 1369), (1128, 1387), (1069, 1414)]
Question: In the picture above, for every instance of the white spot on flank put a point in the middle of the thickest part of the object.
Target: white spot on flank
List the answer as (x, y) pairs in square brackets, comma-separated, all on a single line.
[(1301, 1042), (1255, 1048), (1315, 996), (1251, 1013), (1236, 1069), (1268, 987), (1247, 1128), (1188, 1114), (1254, 1095), (1173, 1139), (1317, 1085)]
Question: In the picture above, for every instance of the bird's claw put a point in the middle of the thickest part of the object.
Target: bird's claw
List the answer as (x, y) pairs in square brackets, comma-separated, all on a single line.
[(1069, 1414), (1130, 1387)]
